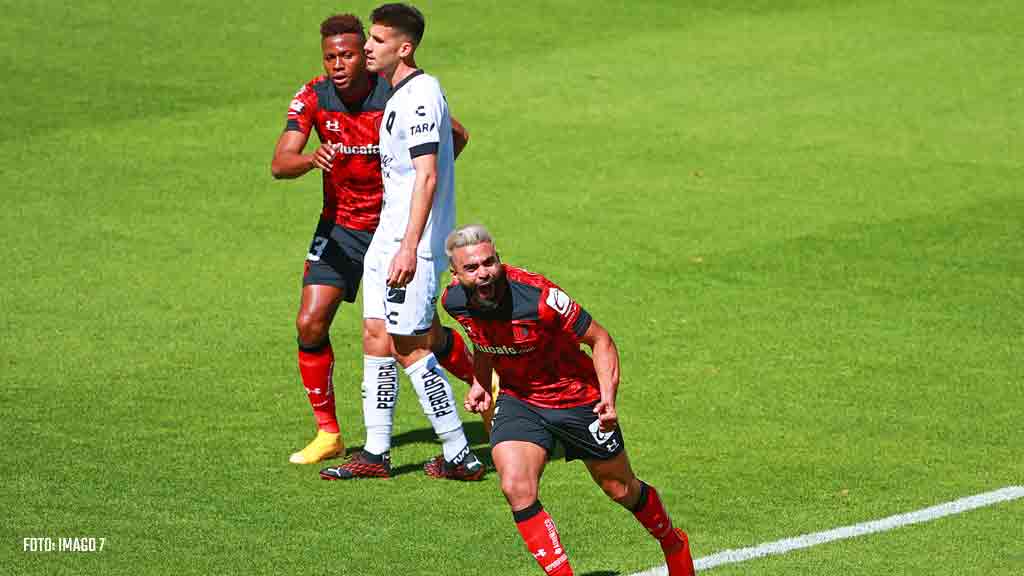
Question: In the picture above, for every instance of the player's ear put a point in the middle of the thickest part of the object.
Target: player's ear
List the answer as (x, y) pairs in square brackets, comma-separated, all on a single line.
[(406, 49)]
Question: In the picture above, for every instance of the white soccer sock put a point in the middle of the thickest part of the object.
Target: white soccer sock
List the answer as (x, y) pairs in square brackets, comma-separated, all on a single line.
[(380, 394), (438, 401)]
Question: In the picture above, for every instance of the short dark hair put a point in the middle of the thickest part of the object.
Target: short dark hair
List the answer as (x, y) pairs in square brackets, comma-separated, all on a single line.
[(405, 18), (341, 24)]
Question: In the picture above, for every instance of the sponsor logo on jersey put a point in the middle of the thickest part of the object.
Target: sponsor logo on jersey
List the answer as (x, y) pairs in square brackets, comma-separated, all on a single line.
[(333, 125), (367, 150), (385, 165), (507, 350), (420, 128), (421, 111)]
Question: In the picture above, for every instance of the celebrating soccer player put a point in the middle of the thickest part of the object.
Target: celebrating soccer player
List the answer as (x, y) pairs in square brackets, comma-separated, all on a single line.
[(406, 257), (528, 330), (345, 107)]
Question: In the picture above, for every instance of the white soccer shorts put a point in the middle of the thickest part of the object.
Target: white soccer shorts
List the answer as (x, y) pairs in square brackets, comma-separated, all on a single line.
[(408, 310)]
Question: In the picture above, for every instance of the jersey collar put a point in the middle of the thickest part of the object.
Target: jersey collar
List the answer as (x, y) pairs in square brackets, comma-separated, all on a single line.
[(405, 80)]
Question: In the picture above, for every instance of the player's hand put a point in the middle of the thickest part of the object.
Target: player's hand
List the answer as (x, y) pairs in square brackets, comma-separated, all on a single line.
[(478, 399), (607, 415), (403, 267), (323, 158)]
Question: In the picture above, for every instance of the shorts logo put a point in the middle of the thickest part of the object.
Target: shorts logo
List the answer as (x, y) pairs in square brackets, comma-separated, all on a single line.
[(392, 318), (603, 438), (396, 295)]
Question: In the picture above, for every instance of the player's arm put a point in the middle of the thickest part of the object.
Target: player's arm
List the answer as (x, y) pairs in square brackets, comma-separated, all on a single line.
[(460, 136), (606, 364), (403, 265), (478, 397), (290, 162)]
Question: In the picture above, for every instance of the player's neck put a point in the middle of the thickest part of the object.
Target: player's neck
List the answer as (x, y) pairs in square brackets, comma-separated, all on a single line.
[(402, 70), (357, 91)]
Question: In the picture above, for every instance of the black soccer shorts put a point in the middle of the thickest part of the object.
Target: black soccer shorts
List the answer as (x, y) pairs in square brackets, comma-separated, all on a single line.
[(577, 429), (335, 258)]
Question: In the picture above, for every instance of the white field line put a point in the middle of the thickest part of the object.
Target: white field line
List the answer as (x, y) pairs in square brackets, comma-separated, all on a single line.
[(807, 540)]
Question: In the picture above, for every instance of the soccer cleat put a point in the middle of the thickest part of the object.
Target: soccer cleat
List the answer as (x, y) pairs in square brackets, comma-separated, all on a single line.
[(471, 469), (325, 445), (362, 464), (677, 555)]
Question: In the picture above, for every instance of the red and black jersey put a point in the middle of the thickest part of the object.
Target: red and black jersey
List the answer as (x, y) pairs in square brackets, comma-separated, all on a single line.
[(353, 189), (534, 338)]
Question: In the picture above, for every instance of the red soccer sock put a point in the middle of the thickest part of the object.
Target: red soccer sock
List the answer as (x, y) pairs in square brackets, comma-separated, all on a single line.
[(316, 366), (541, 537), (674, 543), (652, 514), (455, 357)]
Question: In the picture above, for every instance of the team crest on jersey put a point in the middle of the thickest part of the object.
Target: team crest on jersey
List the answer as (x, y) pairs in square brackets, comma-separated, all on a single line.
[(520, 332)]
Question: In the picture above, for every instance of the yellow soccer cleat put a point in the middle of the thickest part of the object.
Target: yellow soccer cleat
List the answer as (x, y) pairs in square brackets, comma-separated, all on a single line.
[(325, 445)]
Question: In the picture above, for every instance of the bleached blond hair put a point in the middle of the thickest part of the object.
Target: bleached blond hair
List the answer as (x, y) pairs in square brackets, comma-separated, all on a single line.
[(469, 235)]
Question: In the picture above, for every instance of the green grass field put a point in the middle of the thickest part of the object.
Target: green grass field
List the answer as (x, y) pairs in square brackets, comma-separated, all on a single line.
[(802, 221)]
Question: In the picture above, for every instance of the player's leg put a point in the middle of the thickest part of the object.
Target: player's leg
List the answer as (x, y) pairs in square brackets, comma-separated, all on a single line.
[(451, 351), (520, 445), (454, 356), (616, 478), (410, 313), (379, 387), (328, 279), (457, 461)]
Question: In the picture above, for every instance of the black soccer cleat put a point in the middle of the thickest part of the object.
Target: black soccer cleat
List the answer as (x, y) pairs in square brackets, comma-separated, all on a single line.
[(362, 464), (470, 469)]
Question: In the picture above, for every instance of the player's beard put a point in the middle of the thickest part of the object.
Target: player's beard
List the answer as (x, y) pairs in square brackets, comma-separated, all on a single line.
[(497, 290)]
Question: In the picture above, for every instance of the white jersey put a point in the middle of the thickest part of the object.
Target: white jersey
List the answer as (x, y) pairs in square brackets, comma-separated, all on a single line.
[(415, 123)]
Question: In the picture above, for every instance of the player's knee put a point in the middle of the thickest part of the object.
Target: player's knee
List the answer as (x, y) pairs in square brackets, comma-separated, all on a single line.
[(520, 491), (311, 327), (376, 341)]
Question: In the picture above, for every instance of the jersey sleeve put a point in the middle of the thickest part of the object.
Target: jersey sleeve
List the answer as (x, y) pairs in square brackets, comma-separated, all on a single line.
[(302, 111), (570, 318), (421, 118)]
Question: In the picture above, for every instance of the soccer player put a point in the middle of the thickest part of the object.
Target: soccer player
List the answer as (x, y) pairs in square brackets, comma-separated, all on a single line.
[(345, 107), (528, 330), (406, 257)]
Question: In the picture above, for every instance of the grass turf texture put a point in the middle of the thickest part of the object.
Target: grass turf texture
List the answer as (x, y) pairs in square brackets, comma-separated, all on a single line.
[(801, 221)]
